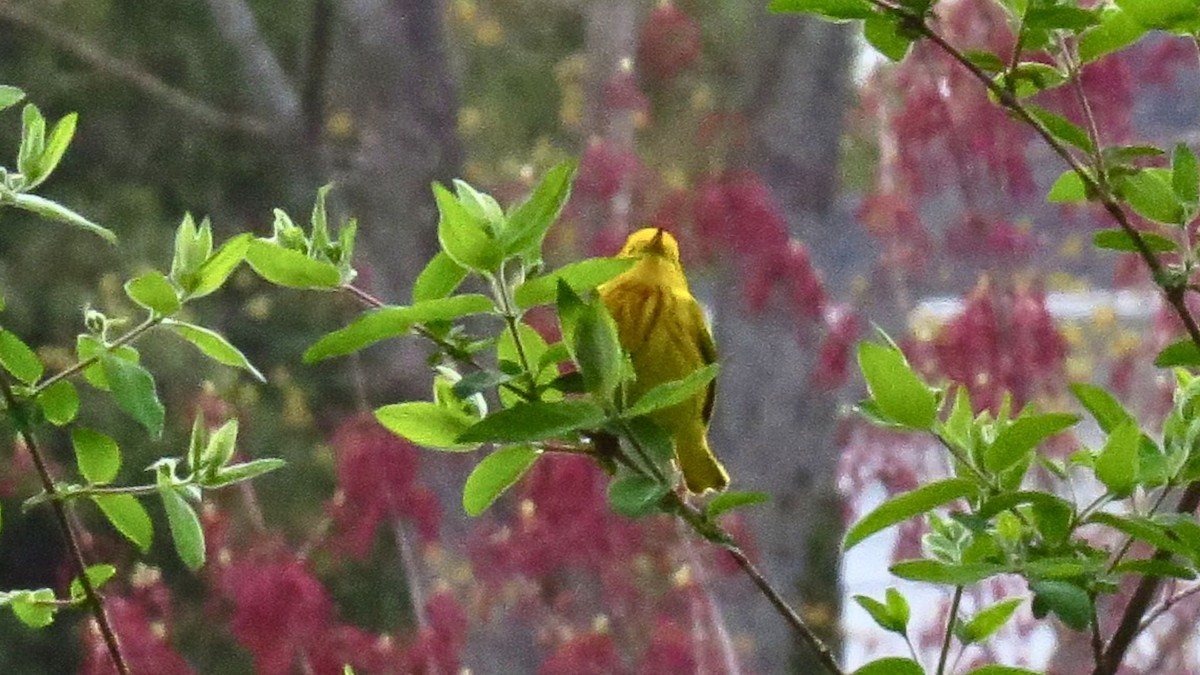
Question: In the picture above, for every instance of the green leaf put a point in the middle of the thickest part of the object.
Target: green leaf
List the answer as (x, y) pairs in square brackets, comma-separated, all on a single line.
[(220, 448), (579, 276), (635, 495), (495, 474), (891, 665), (883, 32), (727, 501), (133, 387), (481, 205), (213, 345), (1018, 439), (10, 96), (989, 620), (243, 471), (33, 141), (835, 10), (1181, 353), (1071, 603), (56, 146), (1059, 17), (1150, 195), (1185, 175), (1145, 530), (897, 391), (439, 278), (18, 359), (35, 609), (213, 272), (1067, 189), (60, 402), (529, 222), (1061, 128), (882, 613), (386, 322), (1117, 463), (1177, 16), (54, 211), (597, 350), (934, 572), (126, 514), (655, 440), (463, 236), (534, 421), (98, 575), (97, 455), (1109, 413), (427, 424), (1116, 31), (185, 527), (672, 393), (1119, 240), (155, 292), (1152, 567), (1031, 77), (286, 267), (89, 347), (902, 507)]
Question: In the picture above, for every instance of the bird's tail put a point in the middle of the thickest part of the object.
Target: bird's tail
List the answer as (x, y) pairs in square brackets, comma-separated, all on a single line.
[(701, 469)]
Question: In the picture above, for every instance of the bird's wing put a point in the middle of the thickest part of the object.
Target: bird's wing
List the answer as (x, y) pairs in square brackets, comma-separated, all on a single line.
[(708, 352)]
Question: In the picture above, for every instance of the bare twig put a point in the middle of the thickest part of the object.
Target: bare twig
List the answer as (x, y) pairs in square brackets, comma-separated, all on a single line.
[(131, 73), (953, 616), (17, 412)]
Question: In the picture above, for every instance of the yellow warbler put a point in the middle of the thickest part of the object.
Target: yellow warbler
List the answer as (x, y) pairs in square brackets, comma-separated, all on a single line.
[(662, 328)]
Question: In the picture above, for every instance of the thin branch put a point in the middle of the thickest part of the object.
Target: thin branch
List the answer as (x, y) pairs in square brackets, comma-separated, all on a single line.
[(958, 593), (77, 368), (1166, 605), (17, 413)]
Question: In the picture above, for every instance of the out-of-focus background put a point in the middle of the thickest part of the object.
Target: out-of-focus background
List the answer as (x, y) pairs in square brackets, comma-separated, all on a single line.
[(816, 189)]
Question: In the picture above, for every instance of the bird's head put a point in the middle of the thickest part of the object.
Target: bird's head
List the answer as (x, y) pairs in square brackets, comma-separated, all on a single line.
[(651, 241)]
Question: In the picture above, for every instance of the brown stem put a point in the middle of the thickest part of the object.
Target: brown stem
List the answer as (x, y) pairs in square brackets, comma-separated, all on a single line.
[(91, 595)]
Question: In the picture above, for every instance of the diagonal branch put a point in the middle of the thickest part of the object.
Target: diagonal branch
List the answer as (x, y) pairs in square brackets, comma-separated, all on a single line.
[(130, 73), (273, 91)]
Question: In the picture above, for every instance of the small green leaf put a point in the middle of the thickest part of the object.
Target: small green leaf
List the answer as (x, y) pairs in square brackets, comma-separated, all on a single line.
[(1067, 189), (635, 495), (155, 292), (1061, 128), (672, 393), (98, 575), (126, 514), (902, 507), (236, 473), (10, 96), (35, 609), (897, 391), (1144, 529), (882, 614), (185, 527), (495, 474), (97, 455), (56, 146), (534, 421), (88, 347), (1059, 17), (1068, 601), (1109, 413), (1031, 77), (481, 205), (529, 222), (286, 267), (1116, 31), (213, 345), (1150, 195), (386, 322), (213, 272), (1119, 240), (891, 665), (989, 620), (133, 388), (60, 402), (1016, 440), (18, 359), (597, 350), (1185, 175), (463, 236), (1153, 567), (579, 276), (1181, 353), (934, 572), (439, 278), (727, 501), (1177, 16), (54, 211), (427, 424), (883, 32), (220, 448), (834, 10), (1117, 463)]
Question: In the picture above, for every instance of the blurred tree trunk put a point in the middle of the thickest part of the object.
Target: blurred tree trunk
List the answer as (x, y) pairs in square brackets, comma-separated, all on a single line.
[(775, 429)]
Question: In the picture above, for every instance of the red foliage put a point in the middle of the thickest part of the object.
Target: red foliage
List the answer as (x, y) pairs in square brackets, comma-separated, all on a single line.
[(669, 44), (142, 622), (589, 654)]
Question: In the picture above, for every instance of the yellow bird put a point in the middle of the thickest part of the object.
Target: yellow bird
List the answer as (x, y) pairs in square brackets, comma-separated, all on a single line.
[(662, 328)]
